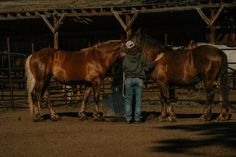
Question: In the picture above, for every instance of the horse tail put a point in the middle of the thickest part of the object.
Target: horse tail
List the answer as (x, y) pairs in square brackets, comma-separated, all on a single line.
[(223, 76), (30, 83)]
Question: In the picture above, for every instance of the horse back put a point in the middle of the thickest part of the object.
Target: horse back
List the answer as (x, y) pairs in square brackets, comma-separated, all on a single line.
[(205, 55), (49, 61), (206, 52), (183, 67), (175, 67)]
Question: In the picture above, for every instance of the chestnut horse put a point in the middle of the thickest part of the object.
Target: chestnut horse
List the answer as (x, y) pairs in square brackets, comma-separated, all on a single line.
[(187, 67), (88, 65)]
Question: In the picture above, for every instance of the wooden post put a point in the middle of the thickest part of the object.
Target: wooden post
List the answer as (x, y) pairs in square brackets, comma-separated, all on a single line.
[(57, 21), (10, 72), (127, 21), (212, 28), (32, 47), (211, 21), (56, 43), (166, 39), (234, 38)]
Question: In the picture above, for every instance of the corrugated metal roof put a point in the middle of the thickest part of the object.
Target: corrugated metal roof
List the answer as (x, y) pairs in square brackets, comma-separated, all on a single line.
[(31, 5), (29, 9)]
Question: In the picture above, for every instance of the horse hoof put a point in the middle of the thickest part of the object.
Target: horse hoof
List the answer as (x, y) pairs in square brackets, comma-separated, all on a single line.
[(224, 117), (161, 119), (203, 118), (98, 116), (55, 117), (206, 117), (171, 119), (38, 118), (82, 116)]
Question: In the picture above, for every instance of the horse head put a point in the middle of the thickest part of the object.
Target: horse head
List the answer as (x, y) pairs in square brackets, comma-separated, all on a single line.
[(135, 37), (147, 45)]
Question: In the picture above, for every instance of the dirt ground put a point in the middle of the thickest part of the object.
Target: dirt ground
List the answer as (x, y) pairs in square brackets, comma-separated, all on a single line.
[(187, 137)]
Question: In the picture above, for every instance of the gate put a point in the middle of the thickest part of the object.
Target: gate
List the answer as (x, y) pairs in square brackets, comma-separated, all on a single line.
[(12, 80)]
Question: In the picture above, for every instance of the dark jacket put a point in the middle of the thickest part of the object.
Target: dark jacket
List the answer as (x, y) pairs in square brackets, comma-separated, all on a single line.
[(134, 65)]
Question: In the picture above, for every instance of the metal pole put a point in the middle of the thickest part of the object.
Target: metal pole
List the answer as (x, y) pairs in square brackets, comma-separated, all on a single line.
[(166, 39), (10, 72), (32, 47)]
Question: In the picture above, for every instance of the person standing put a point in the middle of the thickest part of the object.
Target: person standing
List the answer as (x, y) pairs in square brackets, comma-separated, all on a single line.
[(134, 65)]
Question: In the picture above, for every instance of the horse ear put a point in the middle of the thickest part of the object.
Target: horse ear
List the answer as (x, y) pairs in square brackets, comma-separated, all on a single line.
[(138, 34), (134, 34), (122, 37), (138, 31)]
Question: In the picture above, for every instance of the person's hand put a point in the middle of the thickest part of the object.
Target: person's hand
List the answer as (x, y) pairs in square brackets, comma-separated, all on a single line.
[(159, 56)]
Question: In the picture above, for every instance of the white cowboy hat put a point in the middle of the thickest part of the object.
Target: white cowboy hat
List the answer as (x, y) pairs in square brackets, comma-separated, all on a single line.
[(129, 44)]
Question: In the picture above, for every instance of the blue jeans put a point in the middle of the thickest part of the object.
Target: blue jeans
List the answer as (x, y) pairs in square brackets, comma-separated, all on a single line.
[(133, 86)]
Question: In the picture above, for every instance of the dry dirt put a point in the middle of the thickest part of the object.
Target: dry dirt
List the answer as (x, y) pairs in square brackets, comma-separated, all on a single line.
[(187, 137)]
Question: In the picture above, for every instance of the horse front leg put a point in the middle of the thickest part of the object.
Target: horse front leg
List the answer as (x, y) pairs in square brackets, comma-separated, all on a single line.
[(167, 108), (163, 114), (170, 109), (97, 115), (81, 113)]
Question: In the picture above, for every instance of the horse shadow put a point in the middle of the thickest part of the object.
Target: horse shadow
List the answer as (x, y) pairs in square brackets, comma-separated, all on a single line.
[(68, 114), (152, 115), (212, 134)]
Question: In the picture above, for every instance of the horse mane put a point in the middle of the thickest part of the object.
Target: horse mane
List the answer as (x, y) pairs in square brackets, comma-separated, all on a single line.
[(151, 42), (99, 45), (105, 43)]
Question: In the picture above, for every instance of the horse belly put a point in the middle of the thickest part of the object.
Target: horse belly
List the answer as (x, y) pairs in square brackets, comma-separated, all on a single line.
[(66, 74), (183, 77), (188, 81)]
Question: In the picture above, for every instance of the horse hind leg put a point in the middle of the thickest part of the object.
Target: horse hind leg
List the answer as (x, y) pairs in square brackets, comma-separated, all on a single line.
[(45, 97), (224, 90), (224, 114), (53, 115), (40, 94), (211, 90), (33, 90), (36, 97)]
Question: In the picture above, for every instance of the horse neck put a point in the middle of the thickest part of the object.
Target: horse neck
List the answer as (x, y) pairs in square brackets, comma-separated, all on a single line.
[(107, 56), (150, 52), (151, 47)]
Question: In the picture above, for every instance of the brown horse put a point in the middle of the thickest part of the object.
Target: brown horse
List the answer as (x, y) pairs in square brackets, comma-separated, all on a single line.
[(187, 67), (88, 65)]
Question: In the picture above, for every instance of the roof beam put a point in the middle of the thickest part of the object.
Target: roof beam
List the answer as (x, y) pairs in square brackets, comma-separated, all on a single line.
[(56, 26), (207, 20), (121, 10), (124, 26)]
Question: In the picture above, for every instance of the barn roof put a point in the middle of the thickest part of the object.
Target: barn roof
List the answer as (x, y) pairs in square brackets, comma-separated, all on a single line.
[(26, 9)]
